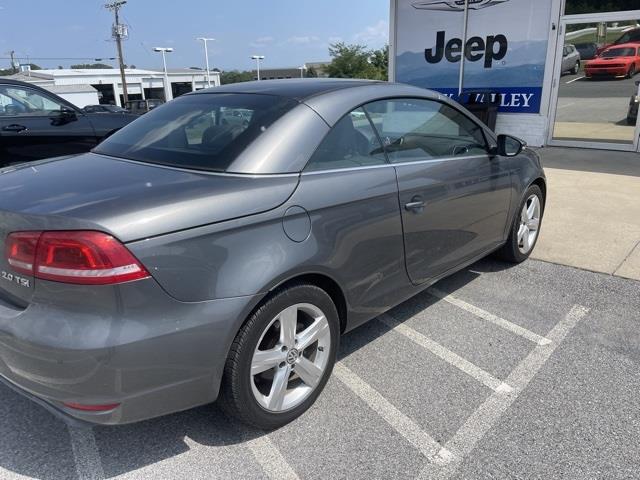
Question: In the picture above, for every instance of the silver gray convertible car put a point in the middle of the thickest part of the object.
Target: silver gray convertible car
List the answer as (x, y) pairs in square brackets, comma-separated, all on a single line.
[(188, 259)]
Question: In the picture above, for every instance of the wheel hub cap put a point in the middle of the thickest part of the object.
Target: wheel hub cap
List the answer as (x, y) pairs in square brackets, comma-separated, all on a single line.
[(292, 356)]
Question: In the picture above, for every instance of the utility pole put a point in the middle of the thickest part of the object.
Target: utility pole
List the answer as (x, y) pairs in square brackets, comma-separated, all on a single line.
[(13, 61), (119, 31)]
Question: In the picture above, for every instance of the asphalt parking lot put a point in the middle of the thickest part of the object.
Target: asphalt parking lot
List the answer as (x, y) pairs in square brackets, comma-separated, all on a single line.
[(498, 372), (599, 100)]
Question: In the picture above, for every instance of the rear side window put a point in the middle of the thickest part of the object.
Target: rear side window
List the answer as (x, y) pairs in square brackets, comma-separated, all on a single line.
[(200, 132), (352, 142)]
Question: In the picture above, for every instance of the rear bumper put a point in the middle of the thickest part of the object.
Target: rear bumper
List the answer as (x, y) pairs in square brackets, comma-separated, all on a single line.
[(131, 345)]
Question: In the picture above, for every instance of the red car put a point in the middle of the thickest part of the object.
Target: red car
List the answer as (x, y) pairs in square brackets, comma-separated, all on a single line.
[(619, 61)]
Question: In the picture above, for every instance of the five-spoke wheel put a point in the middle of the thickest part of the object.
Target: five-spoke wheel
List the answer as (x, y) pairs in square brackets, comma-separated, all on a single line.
[(291, 357), (282, 357), (529, 224), (526, 227)]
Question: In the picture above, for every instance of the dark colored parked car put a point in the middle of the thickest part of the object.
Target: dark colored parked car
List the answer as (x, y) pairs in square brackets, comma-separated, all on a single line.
[(630, 36), (185, 260), (35, 124), (587, 51), (140, 107), (104, 109)]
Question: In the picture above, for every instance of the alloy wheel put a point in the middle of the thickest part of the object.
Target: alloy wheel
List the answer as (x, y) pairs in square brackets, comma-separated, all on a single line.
[(529, 224), (291, 357)]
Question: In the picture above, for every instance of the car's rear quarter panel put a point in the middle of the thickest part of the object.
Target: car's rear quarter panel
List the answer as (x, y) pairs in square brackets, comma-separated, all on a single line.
[(355, 239)]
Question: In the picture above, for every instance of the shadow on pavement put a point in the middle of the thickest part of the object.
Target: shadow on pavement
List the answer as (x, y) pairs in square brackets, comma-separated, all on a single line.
[(36, 444)]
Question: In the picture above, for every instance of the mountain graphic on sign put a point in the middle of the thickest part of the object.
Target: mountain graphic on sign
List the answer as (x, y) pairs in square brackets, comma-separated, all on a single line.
[(456, 5)]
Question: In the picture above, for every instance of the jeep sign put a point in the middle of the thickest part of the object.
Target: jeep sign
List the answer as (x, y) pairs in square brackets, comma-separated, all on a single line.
[(504, 50)]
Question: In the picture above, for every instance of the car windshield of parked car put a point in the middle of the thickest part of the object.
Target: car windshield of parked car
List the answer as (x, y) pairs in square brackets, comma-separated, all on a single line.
[(619, 52), (200, 132)]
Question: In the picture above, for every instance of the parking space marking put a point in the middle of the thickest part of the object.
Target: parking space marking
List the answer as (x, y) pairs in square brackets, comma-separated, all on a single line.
[(447, 355), (394, 417), (270, 459), (85, 453), (574, 80), (490, 317), (446, 462)]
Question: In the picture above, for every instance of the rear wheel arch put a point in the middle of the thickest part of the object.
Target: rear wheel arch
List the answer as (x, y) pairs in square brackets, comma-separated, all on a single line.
[(322, 281)]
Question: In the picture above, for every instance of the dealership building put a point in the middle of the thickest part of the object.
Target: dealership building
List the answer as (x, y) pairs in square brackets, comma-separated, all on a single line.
[(91, 86), (531, 57)]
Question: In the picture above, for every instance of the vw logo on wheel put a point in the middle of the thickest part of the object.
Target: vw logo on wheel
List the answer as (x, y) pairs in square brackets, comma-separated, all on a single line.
[(292, 356), (457, 5)]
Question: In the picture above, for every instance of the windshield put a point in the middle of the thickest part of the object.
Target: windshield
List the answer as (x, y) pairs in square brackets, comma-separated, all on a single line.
[(619, 52), (201, 132)]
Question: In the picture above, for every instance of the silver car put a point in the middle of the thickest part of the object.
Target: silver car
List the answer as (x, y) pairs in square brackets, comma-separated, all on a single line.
[(186, 260), (570, 59)]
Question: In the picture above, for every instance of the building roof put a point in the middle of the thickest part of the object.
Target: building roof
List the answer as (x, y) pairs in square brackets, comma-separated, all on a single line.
[(77, 88), (31, 77)]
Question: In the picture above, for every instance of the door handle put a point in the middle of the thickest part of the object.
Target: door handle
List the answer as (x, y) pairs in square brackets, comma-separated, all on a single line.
[(416, 205), (14, 127)]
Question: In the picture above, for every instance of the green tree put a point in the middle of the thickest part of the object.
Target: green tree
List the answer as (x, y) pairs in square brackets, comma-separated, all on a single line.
[(380, 60), (350, 61), (236, 76), (311, 73), (356, 61), (91, 66)]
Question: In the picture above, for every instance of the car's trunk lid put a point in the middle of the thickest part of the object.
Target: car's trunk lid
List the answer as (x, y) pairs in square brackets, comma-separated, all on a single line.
[(129, 200)]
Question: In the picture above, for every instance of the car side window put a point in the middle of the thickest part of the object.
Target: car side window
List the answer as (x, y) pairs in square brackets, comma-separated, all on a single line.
[(20, 102), (352, 142), (419, 129)]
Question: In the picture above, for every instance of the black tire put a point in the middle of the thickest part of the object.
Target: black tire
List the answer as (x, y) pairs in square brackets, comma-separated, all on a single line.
[(632, 71), (236, 396), (576, 68), (510, 251)]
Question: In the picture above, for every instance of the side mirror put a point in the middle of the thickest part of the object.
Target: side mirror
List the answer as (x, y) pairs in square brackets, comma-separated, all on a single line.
[(67, 112), (509, 146)]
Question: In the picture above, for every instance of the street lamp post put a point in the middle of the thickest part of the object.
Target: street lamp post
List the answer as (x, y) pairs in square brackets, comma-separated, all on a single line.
[(302, 69), (167, 87), (206, 57), (257, 58)]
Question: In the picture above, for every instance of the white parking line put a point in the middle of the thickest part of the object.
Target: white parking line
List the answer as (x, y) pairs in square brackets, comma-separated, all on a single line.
[(574, 80), (85, 453), (394, 417), (447, 355), (270, 459), (446, 462), (490, 317)]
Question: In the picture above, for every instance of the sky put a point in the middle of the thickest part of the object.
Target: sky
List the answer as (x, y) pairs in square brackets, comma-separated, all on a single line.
[(288, 32)]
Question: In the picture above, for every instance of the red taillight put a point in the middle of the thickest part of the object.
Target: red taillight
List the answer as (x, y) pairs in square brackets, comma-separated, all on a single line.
[(80, 257), (20, 251), (91, 408)]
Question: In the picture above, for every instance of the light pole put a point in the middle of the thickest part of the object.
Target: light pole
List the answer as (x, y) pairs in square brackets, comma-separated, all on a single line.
[(302, 69), (206, 56), (257, 58), (167, 87)]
